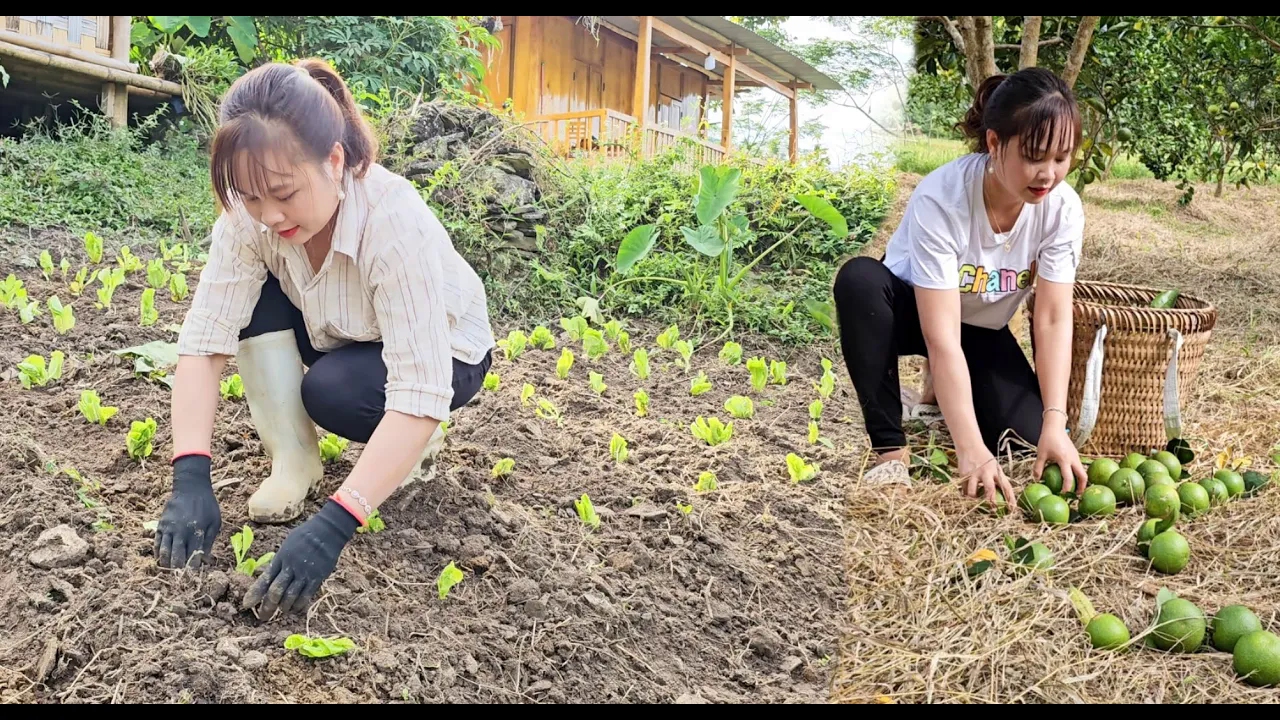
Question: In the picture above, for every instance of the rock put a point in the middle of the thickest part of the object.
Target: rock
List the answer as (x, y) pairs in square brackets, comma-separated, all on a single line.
[(59, 547), (216, 585), (764, 642), (522, 590), (540, 687), (254, 660), (599, 603), (227, 648), (692, 699), (645, 510)]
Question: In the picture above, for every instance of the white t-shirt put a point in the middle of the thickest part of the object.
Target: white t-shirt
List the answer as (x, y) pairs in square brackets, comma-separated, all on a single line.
[(945, 241)]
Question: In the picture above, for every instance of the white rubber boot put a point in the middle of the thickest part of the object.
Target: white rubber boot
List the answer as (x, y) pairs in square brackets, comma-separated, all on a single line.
[(426, 467), (271, 370)]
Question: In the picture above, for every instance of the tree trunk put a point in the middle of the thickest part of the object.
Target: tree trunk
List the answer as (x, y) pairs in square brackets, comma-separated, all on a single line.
[(1079, 48), (984, 48), (965, 26), (1030, 50)]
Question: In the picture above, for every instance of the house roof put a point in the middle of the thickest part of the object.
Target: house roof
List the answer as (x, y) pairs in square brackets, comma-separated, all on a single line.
[(763, 56)]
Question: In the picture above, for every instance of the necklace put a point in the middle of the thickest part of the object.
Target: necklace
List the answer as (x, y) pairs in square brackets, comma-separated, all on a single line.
[(1008, 245)]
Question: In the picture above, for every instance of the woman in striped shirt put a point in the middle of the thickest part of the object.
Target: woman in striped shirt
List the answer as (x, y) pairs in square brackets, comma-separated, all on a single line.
[(321, 258)]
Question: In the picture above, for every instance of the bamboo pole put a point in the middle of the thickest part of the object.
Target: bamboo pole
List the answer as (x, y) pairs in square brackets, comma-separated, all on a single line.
[(36, 43), (102, 72)]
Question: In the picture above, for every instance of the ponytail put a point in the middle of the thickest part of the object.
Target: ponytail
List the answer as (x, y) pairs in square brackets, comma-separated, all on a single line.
[(1034, 105), (305, 107)]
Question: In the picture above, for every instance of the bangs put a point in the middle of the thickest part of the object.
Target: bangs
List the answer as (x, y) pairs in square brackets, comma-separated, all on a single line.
[(1048, 127), (237, 164)]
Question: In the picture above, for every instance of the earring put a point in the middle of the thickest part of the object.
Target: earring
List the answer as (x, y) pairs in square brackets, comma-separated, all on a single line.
[(342, 195)]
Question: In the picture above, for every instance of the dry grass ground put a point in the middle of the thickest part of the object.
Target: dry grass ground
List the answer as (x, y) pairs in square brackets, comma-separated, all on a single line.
[(919, 630)]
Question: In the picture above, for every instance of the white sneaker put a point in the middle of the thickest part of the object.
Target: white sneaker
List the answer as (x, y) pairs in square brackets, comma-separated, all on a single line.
[(425, 469), (271, 370)]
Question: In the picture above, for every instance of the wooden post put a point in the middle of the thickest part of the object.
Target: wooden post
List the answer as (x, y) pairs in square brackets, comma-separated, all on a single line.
[(726, 121), (793, 151), (644, 43), (116, 95)]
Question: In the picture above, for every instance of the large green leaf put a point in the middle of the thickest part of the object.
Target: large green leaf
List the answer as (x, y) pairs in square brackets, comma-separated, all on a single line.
[(244, 34), (635, 246), (716, 191), (199, 24), (823, 313), (705, 240), (169, 23), (825, 212)]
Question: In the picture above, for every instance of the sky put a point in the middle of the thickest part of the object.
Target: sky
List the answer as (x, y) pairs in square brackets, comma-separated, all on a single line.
[(848, 135)]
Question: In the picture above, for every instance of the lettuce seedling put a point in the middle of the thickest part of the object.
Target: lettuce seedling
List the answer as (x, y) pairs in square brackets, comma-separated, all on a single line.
[(618, 448), (587, 512), (13, 292), (684, 507), (129, 263), (374, 524), (685, 348), (63, 318), (93, 247), (624, 342), (574, 326), (110, 279), (491, 381), (564, 363), (597, 383), (759, 373), (777, 372), (318, 647), (800, 470), (178, 287), (331, 447), (827, 384), (77, 285), (65, 267), (813, 431), (707, 482), (815, 410), (712, 432), (593, 344), (526, 393), (514, 344), (35, 372), (449, 577), (642, 403), (148, 315), (138, 442), (667, 339), (503, 467), (46, 264), (27, 312), (157, 274), (611, 330), (240, 543), (547, 411), (232, 387), (542, 338), (640, 363), (740, 406), (700, 384), (93, 410), (731, 353)]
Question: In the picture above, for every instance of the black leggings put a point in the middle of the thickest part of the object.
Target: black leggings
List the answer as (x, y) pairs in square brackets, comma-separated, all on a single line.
[(344, 391), (879, 323)]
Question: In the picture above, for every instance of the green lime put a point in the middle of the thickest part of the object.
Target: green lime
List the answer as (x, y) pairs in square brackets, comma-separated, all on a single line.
[(1256, 658), (1127, 485), (1133, 460), (1107, 632), (1180, 626), (1101, 469), (1232, 623), (1170, 461), (1169, 552), (1053, 510), (1152, 471), (1098, 501), (1162, 501), (1233, 480), (1145, 533), (1031, 495), (1036, 556), (1195, 499), (1254, 481), (1051, 478), (1217, 491)]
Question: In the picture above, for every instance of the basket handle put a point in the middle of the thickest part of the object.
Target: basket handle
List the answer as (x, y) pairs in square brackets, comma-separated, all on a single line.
[(1172, 407), (1092, 390)]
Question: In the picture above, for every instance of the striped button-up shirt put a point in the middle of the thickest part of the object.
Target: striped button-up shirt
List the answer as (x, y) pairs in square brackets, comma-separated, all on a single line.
[(392, 275)]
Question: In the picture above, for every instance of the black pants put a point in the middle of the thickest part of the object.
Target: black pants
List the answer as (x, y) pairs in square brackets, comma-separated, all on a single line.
[(344, 391), (879, 323)]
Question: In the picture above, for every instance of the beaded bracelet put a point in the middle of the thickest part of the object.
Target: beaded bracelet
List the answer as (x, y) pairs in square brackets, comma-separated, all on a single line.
[(363, 503)]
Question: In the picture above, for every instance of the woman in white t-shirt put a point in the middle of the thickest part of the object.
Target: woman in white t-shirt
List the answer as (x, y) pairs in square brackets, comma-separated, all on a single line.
[(977, 233)]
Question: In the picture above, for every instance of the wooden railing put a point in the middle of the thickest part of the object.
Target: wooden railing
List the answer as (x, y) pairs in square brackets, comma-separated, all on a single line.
[(612, 133)]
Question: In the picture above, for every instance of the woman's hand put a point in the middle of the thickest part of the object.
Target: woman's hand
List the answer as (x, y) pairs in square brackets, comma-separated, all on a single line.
[(1056, 447), (191, 518), (981, 469), (305, 559)]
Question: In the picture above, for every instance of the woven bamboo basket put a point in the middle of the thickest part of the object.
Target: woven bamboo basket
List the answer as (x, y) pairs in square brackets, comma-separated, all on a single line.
[(1133, 407)]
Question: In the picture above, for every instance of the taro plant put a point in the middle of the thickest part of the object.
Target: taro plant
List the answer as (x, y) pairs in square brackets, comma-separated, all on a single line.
[(712, 432), (93, 410), (720, 230), (240, 544)]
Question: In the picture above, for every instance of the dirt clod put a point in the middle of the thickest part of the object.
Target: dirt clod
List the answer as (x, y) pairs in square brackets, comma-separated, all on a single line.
[(59, 547)]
